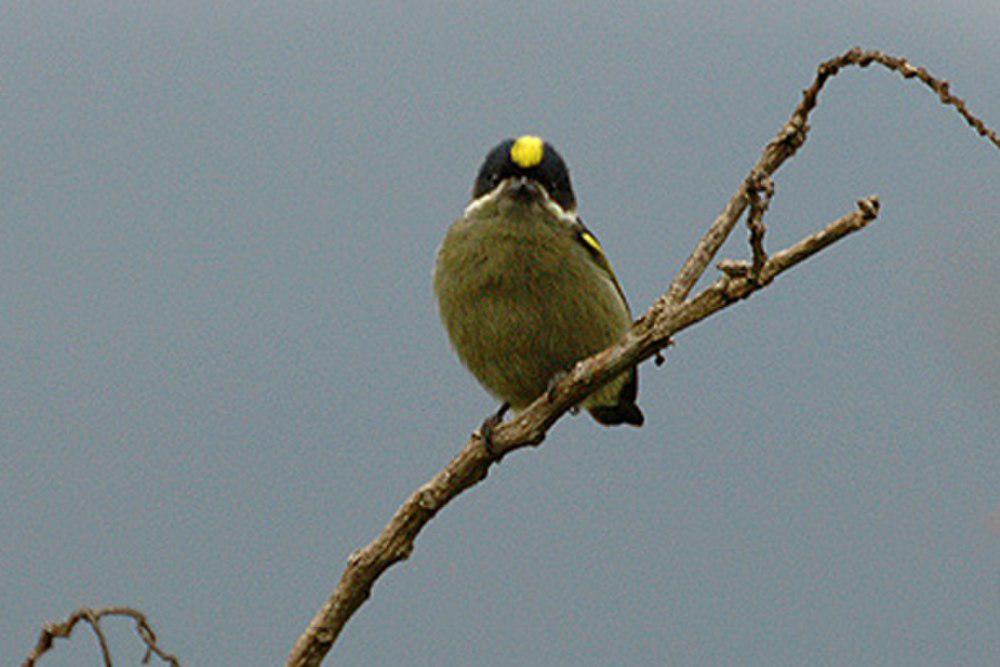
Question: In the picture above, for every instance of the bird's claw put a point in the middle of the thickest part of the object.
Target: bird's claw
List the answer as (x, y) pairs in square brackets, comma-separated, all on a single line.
[(485, 432)]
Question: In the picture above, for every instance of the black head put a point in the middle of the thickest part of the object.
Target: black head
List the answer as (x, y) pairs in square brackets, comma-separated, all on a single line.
[(533, 158)]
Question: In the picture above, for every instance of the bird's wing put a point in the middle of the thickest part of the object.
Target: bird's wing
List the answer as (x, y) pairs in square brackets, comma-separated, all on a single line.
[(587, 239)]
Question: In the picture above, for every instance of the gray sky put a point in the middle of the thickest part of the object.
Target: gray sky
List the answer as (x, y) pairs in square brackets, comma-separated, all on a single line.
[(222, 369)]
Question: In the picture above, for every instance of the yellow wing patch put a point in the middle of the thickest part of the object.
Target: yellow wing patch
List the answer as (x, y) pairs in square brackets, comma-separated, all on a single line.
[(527, 151), (592, 245), (591, 241)]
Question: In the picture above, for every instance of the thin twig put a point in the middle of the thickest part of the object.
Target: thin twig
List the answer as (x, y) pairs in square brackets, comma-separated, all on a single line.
[(53, 631), (788, 140), (757, 184)]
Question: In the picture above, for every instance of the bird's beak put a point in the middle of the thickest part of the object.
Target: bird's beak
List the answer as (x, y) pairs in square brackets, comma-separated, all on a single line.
[(521, 187)]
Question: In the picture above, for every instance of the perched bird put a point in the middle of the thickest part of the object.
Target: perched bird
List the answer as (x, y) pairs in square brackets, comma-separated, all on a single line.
[(525, 290)]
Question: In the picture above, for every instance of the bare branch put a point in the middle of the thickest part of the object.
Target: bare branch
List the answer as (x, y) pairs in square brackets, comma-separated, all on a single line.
[(758, 183), (646, 338), (788, 140), (53, 631), (671, 313)]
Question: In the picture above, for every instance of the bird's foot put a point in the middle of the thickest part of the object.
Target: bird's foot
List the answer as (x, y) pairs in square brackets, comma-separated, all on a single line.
[(485, 431)]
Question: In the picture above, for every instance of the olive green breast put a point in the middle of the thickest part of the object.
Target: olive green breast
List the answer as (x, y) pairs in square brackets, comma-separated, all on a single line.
[(522, 299)]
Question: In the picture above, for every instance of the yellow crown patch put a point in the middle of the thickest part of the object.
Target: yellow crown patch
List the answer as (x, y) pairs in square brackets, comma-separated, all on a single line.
[(527, 151)]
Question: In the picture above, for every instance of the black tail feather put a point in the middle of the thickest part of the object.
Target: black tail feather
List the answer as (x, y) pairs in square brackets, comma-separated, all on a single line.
[(625, 411)]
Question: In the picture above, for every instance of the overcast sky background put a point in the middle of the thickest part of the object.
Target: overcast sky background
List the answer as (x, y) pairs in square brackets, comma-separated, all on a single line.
[(222, 368)]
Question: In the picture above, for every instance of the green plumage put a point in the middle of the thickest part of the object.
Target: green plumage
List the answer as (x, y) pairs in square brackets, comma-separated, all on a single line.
[(524, 297)]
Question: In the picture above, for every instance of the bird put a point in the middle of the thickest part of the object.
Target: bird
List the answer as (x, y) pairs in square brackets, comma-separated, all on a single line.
[(524, 289)]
